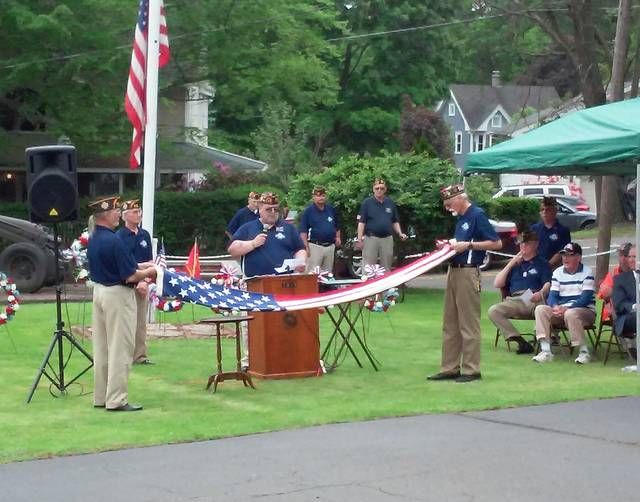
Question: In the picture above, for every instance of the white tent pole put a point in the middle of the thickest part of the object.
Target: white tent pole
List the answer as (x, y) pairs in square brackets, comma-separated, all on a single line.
[(151, 128), (637, 248)]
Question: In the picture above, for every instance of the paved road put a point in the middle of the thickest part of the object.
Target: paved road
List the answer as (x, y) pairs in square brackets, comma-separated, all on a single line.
[(583, 451)]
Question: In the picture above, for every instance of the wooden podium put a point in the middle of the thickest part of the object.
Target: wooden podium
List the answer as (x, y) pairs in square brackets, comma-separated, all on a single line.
[(284, 344)]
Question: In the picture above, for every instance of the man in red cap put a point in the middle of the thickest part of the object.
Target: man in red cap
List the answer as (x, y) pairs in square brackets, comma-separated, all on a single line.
[(461, 336)]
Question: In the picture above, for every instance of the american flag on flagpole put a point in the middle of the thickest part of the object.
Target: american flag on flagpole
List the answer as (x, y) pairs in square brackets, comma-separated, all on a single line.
[(134, 100)]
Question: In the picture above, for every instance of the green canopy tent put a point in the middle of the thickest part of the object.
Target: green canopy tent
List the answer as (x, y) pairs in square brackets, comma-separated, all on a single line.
[(600, 140)]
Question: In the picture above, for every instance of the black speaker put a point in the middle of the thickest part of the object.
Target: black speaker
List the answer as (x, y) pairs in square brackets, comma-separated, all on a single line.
[(52, 183)]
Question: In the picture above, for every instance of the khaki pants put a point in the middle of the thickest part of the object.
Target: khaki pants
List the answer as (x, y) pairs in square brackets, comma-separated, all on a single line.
[(375, 248), (461, 322), (140, 350), (113, 335), (574, 320), (510, 308), (321, 256)]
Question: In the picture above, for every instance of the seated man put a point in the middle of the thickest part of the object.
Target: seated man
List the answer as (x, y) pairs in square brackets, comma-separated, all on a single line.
[(605, 291), (525, 271), (571, 304), (624, 301)]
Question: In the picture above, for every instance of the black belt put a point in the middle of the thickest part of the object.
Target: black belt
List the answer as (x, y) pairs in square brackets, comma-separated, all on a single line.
[(462, 265), (378, 236), (131, 285), (323, 244)]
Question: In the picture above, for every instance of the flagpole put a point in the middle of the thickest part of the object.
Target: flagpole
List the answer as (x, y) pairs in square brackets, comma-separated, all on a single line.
[(151, 127)]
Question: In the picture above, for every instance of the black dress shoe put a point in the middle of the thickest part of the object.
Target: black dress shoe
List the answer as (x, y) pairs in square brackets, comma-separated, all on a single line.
[(444, 376), (145, 361), (525, 348), (468, 378), (126, 407)]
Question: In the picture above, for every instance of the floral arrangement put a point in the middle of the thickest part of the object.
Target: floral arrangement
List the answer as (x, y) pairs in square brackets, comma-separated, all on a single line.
[(324, 276), (77, 253), (13, 298), (382, 302), (374, 271), (229, 276), (163, 304)]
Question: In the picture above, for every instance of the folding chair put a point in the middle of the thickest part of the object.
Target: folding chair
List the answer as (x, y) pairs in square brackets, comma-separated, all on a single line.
[(614, 340), (505, 292)]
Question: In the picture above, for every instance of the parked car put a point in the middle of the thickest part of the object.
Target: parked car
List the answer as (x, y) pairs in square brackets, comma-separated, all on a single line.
[(572, 217), (575, 202), (527, 190), (349, 260)]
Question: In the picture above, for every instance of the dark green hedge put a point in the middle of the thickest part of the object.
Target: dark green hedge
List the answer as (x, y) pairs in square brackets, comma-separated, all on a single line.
[(179, 217), (520, 210)]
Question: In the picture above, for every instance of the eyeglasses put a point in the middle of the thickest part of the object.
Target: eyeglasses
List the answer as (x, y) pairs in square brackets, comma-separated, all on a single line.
[(271, 209), (379, 188)]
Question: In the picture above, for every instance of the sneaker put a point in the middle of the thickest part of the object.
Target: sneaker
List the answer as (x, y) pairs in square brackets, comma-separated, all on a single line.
[(543, 357), (583, 358)]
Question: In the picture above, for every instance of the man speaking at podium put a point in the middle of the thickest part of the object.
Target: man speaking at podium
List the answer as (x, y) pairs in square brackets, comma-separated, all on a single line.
[(263, 245)]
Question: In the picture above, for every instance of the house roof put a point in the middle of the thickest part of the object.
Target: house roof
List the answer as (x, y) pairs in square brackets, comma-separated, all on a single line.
[(178, 157), (477, 101)]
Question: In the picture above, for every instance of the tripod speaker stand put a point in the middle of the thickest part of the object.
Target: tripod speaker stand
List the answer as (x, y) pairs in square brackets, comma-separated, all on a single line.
[(59, 336)]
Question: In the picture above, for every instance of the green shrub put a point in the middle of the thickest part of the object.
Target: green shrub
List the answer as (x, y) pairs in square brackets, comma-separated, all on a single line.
[(179, 217), (521, 210), (414, 183)]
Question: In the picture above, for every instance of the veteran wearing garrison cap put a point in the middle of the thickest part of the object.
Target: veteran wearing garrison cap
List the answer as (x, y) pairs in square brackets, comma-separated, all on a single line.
[(138, 241), (263, 244), (320, 231), (244, 215), (377, 221), (461, 336), (114, 273), (527, 272), (553, 236)]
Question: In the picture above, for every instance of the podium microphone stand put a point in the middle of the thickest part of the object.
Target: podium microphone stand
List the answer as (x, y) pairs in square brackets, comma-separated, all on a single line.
[(59, 336)]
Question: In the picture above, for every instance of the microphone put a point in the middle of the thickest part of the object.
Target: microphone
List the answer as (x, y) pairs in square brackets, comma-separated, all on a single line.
[(265, 228)]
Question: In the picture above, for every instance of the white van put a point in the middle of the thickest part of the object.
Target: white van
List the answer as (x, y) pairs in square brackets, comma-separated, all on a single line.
[(528, 190)]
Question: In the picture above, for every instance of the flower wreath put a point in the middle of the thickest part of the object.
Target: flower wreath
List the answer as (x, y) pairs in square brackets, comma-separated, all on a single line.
[(382, 302), (229, 276), (77, 253), (13, 298), (163, 304)]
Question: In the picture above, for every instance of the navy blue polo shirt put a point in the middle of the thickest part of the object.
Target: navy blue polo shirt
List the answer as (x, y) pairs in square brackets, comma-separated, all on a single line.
[(319, 224), (473, 226), (242, 216), (551, 240), (283, 241), (139, 244), (110, 262), (378, 217), (532, 274)]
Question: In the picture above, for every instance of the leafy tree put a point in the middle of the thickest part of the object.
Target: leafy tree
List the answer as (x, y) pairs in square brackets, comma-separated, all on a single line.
[(423, 131), (414, 184), (43, 85)]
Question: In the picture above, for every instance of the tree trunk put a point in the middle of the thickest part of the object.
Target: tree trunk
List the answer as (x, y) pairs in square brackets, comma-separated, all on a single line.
[(609, 196)]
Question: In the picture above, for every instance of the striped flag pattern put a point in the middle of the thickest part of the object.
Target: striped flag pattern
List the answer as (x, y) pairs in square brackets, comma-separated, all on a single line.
[(176, 285), (134, 100), (161, 257)]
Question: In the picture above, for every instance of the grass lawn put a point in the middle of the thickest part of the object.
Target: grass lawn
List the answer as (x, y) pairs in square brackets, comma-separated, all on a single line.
[(406, 341), (617, 230)]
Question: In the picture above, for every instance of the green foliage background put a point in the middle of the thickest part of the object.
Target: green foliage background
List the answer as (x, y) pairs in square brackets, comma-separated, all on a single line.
[(414, 182)]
